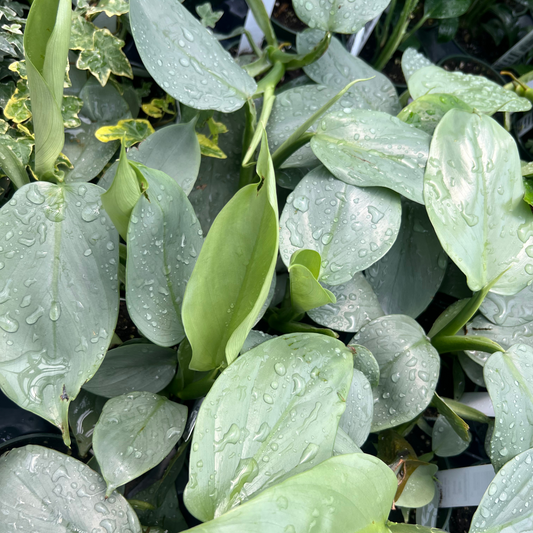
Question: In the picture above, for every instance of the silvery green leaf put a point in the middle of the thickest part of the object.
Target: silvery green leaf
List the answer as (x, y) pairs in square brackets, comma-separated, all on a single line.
[(268, 300), (509, 379), (134, 433), (133, 367), (288, 178), (484, 225), (413, 61), (59, 264), (83, 414), (415, 260), (445, 442), (294, 106), (338, 16), (505, 336), (509, 311), (218, 179), (46, 491), (255, 338), (356, 305), (185, 59), (164, 240), (409, 369), (344, 444), (419, 489), (311, 219), (364, 361), (353, 490), (294, 381), (507, 505), (473, 370), (357, 419), (337, 67), (373, 149), (477, 91)]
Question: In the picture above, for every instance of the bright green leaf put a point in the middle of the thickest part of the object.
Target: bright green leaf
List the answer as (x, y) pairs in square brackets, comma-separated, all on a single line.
[(484, 226), (58, 234), (312, 374), (156, 425), (218, 316)]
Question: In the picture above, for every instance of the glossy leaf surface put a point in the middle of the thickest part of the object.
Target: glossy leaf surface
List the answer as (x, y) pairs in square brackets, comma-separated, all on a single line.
[(337, 67), (359, 488), (413, 61), (218, 316), (409, 369), (312, 219), (356, 305), (445, 442), (37, 494), (507, 503), (364, 361), (56, 235), (134, 433), (281, 418), (133, 367), (294, 106), (419, 489), (357, 419), (509, 311), (373, 149), (337, 16), (444, 9), (477, 91), (483, 224), (509, 379), (197, 70), (415, 260), (164, 240)]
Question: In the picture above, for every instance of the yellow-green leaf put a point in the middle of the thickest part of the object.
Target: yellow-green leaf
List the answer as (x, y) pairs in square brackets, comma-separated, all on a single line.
[(111, 7), (209, 148), (105, 57), (130, 131), (17, 108), (159, 106)]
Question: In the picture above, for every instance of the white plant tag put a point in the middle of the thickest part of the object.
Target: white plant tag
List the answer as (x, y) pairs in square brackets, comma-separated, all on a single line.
[(251, 25), (463, 487), (480, 401)]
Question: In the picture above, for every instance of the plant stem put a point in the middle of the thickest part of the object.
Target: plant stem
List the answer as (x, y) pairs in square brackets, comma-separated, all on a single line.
[(397, 35), (256, 49), (300, 136), (266, 86), (387, 24), (247, 172), (416, 27), (468, 342), (263, 20)]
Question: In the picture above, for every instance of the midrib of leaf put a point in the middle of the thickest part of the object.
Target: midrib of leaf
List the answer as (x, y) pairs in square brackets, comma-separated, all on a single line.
[(510, 364)]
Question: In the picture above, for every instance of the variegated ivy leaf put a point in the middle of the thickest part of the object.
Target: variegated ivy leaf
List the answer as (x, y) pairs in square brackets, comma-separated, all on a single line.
[(105, 57), (209, 148), (17, 108), (131, 131), (208, 17), (81, 32), (110, 7), (71, 107), (160, 106)]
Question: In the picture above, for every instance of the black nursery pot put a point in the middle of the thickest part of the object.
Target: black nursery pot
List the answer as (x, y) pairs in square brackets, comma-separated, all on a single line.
[(471, 65)]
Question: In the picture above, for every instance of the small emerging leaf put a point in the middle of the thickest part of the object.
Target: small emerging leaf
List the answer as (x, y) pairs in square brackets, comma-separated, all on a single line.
[(207, 16)]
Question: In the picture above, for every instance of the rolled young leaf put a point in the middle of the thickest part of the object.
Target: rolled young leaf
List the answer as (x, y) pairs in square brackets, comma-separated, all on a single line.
[(271, 414), (238, 260), (197, 71), (46, 43), (47, 491), (134, 433), (306, 291), (59, 295), (121, 197), (483, 224)]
